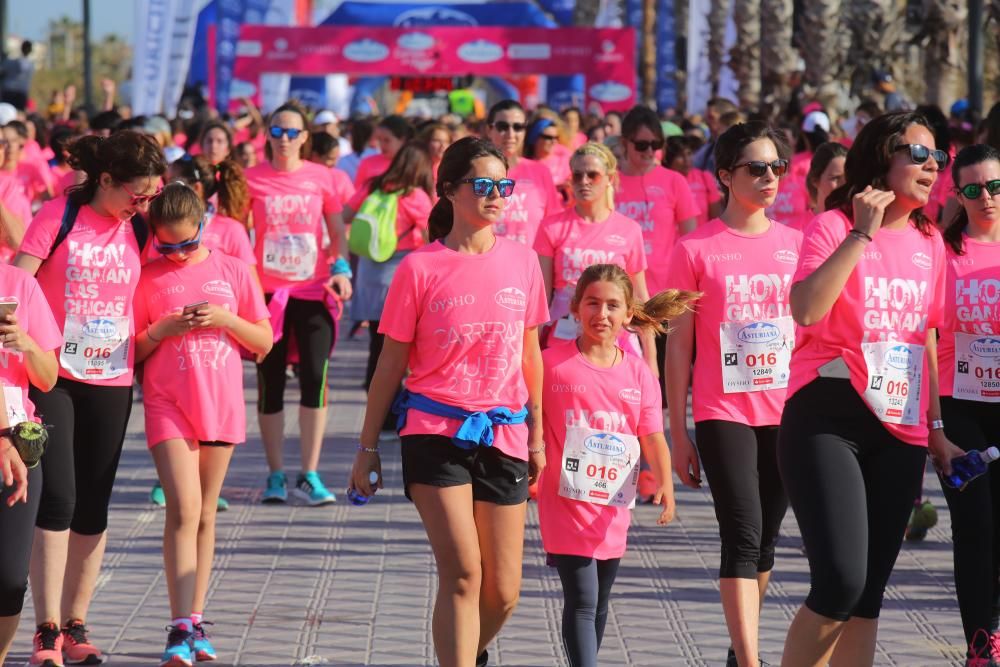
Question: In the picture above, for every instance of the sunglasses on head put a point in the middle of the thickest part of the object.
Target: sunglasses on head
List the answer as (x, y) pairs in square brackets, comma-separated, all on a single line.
[(643, 146), (187, 246), (483, 187), (139, 200), (504, 126), (592, 176), (291, 132), (919, 154), (758, 168), (973, 190)]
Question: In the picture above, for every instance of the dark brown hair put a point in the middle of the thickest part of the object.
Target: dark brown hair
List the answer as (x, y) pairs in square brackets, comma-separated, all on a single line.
[(177, 203), (125, 156), (224, 179), (216, 125), (290, 106), (954, 233), (649, 315), (639, 117), (731, 143), (455, 164), (821, 159), (410, 169)]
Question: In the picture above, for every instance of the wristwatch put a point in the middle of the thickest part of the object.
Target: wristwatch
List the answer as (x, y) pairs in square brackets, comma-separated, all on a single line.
[(937, 425)]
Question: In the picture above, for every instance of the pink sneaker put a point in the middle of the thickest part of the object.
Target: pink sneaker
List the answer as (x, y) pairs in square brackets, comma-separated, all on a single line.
[(979, 649), (995, 649), (77, 648), (47, 649)]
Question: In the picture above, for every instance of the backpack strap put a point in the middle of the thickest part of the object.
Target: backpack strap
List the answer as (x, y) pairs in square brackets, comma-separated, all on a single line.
[(66, 225), (141, 230)]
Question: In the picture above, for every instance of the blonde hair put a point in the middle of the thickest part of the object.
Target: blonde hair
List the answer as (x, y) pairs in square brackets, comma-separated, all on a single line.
[(649, 315), (608, 159)]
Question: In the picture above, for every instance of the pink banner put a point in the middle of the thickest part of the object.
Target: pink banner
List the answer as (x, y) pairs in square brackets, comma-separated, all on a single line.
[(605, 56)]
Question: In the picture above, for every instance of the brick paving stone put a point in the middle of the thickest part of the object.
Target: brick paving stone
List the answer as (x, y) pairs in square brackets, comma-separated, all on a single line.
[(349, 586)]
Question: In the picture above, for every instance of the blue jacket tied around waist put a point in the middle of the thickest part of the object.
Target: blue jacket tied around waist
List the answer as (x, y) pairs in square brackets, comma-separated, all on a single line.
[(477, 427)]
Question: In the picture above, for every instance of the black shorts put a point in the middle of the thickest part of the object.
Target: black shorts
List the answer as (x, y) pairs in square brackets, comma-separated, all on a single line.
[(436, 461)]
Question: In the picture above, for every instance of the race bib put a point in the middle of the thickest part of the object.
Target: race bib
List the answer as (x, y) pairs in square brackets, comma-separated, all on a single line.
[(977, 367), (895, 371), (756, 355), (566, 328), (95, 349), (599, 468), (16, 413), (290, 256)]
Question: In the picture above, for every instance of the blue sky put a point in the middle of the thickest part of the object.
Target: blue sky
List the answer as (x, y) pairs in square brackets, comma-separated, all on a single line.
[(30, 18)]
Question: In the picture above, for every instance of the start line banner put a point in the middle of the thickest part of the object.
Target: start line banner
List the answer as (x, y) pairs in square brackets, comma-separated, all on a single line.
[(605, 56)]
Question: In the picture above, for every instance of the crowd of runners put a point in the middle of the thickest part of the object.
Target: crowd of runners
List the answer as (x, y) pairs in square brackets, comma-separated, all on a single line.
[(540, 288)]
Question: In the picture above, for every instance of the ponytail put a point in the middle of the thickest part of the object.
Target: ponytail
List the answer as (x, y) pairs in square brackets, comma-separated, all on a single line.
[(661, 308), (441, 219), (231, 186)]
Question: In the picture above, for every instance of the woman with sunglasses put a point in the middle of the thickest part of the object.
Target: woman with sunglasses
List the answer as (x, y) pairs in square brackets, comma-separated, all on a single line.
[(742, 262), (462, 315), (968, 359), (543, 143), (391, 134), (536, 197), (863, 404), (88, 276), (291, 200), (194, 308)]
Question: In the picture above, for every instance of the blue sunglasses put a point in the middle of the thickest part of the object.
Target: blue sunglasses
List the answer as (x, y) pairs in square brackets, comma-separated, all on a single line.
[(483, 187), (291, 132), (189, 246)]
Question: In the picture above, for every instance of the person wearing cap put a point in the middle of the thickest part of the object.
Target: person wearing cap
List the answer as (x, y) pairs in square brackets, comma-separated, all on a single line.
[(791, 206), (894, 100), (327, 121)]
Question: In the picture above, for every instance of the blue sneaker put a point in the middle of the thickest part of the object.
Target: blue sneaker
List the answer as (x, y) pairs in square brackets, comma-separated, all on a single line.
[(310, 489), (276, 491), (203, 649), (178, 650), (221, 505), (156, 496)]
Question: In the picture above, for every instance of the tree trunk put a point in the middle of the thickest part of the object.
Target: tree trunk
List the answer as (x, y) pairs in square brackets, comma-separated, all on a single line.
[(877, 30), (717, 19), (944, 23), (822, 48), (648, 52), (777, 57), (744, 58)]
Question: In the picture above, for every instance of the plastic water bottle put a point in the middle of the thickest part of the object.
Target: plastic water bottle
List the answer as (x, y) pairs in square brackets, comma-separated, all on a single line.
[(966, 468), (356, 497)]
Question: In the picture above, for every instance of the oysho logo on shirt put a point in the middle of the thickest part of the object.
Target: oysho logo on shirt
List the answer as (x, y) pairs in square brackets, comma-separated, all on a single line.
[(725, 257), (630, 395), (786, 256), (512, 298), (218, 288), (921, 261), (614, 239), (569, 388)]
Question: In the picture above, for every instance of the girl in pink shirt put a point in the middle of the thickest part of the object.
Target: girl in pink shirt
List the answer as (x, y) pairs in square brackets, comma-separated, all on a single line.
[(462, 314), (826, 174), (88, 272), (390, 135), (863, 403), (602, 410), (704, 188), (969, 363), (194, 308), (743, 330)]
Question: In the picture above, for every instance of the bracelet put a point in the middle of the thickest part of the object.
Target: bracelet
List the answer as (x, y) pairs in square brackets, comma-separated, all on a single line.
[(540, 450), (341, 268), (151, 337), (367, 450), (861, 236), (937, 425)]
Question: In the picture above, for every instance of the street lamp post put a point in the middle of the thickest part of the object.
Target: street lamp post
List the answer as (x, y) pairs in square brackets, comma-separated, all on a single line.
[(87, 94), (976, 55)]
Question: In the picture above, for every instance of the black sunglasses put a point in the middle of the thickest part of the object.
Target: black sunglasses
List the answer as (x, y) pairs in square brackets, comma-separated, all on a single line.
[(549, 137), (643, 146), (919, 154), (973, 190), (758, 168), (483, 187), (292, 132), (504, 126)]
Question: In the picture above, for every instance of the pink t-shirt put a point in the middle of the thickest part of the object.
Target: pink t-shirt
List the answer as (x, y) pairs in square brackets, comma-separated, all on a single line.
[(12, 196), (577, 393), (465, 317), (704, 190), (289, 209), (791, 205), (63, 177), (370, 167), (343, 187), (574, 244), (89, 283), (744, 280), (941, 192), (221, 233), (193, 384), (35, 177), (972, 306), (412, 212), (34, 317), (894, 295), (534, 199), (557, 162), (659, 201)]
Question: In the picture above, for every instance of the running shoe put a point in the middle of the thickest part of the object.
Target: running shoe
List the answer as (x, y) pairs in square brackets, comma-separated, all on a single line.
[(47, 647), (178, 651), (731, 658), (203, 649), (276, 490), (923, 518), (979, 650), (483, 659), (221, 504), (995, 649), (310, 489), (77, 648), (157, 497)]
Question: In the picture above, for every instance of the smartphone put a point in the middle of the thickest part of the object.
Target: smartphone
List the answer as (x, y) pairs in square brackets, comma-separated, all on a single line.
[(7, 307), (192, 307)]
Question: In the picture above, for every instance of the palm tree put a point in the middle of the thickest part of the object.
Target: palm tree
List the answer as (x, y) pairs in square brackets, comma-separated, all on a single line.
[(822, 45), (744, 57), (777, 58), (942, 36), (877, 36), (717, 18)]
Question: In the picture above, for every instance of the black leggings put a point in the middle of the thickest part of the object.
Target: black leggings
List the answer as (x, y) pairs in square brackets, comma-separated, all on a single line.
[(85, 443), (17, 527), (742, 468), (586, 588), (375, 343), (975, 511), (313, 328), (851, 484)]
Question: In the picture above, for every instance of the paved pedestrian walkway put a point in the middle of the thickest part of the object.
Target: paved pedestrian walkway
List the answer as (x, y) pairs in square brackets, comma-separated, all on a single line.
[(350, 586)]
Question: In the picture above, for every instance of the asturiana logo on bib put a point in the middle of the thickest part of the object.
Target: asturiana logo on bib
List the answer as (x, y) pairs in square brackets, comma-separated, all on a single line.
[(512, 298), (786, 256), (102, 329), (218, 287), (758, 332), (921, 261), (630, 395), (899, 356), (986, 347), (605, 444)]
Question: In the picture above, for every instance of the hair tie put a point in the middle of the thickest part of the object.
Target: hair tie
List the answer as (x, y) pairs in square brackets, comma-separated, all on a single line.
[(537, 129)]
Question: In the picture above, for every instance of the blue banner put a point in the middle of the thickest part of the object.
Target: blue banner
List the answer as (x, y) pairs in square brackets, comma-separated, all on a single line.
[(633, 19), (666, 56), (561, 10)]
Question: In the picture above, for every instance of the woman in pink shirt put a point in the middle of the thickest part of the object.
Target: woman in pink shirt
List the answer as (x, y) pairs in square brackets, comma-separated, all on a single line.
[(542, 144), (826, 174), (391, 133), (436, 137), (85, 252), (863, 404), (535, 197), (602, 411), (216, 141), (743, 263), (462, 315), (194, 308), (704, 188), (969, 363)]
